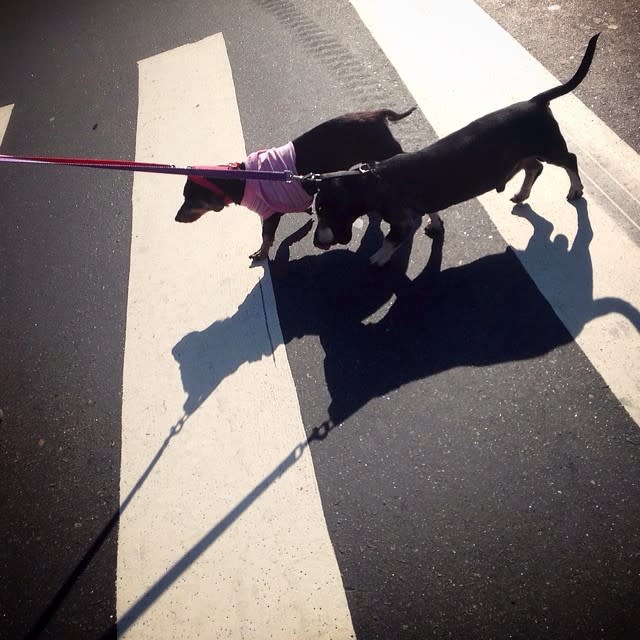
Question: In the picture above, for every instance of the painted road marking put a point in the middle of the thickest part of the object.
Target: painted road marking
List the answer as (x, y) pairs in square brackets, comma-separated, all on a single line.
[(5, 115), (589, 272), (222, 533)]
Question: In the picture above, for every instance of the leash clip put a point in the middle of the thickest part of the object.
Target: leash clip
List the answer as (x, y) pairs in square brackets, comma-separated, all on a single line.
[(311, 177)]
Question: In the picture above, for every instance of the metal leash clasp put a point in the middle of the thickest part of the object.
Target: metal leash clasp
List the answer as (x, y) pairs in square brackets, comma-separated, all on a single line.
[(311, 177)]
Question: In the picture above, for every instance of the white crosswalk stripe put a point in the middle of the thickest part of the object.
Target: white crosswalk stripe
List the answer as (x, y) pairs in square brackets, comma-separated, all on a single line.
[(222, 530), (5, 115), (586, 262)]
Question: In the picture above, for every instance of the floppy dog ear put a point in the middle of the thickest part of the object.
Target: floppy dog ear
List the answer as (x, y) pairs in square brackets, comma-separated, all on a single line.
[(197, 200), (198, 191), (215, 201)]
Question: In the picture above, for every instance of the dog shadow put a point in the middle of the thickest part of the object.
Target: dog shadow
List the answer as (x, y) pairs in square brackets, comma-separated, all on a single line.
[(478, 314), (209, 356), (482, 313), (567, 275)]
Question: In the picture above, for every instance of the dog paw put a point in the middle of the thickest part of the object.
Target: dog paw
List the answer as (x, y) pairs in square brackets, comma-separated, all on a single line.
[(260, 254), (434, 232), (574, 194), (435, 226), (518, 198)]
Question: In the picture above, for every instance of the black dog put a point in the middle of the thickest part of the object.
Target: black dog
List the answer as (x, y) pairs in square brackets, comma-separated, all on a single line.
[(482, 156), (331, 146)]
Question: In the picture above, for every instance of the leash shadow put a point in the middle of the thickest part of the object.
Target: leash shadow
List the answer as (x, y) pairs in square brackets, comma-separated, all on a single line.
[(147, 599), (40, 626)]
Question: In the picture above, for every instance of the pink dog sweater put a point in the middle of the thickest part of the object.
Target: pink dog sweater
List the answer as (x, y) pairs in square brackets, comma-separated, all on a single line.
[(267, 197)]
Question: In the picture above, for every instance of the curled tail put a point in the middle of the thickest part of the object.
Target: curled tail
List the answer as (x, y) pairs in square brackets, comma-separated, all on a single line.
[(380, 115), (394, 117), (578, 77)]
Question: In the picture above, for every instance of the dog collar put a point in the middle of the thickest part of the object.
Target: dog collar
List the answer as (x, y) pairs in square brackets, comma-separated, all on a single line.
[(214, 188)]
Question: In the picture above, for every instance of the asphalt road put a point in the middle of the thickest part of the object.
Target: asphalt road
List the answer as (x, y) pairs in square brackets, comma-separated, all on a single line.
[(482, 481)]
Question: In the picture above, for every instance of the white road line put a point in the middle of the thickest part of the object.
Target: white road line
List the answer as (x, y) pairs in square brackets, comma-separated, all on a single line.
[(5, 115), (459, 64), (222, 533)]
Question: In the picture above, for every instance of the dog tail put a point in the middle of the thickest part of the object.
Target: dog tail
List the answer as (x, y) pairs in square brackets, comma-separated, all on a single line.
[(578, 77), (392, 116)]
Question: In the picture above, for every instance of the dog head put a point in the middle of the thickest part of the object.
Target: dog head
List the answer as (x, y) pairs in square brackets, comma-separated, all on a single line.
[(339, 202), (201, 195)]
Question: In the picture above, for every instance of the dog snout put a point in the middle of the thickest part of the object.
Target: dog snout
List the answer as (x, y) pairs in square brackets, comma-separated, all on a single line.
[(323, 237), (186, 213)]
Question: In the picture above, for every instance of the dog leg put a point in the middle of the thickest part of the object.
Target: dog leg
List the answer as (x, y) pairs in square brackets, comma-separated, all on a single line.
[(501, 187), (435, 226), (571, 167), (568, 161), (269, 227), (263, 252), (400, 231), (532, 169), (384, 253)]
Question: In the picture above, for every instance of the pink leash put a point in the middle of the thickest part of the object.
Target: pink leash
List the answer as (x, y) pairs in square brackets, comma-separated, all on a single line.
[(217, 171)]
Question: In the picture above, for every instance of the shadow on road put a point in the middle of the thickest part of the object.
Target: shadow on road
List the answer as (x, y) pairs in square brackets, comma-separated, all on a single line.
[(65, 589), (477, 314), (482, 313), (568, 270)]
